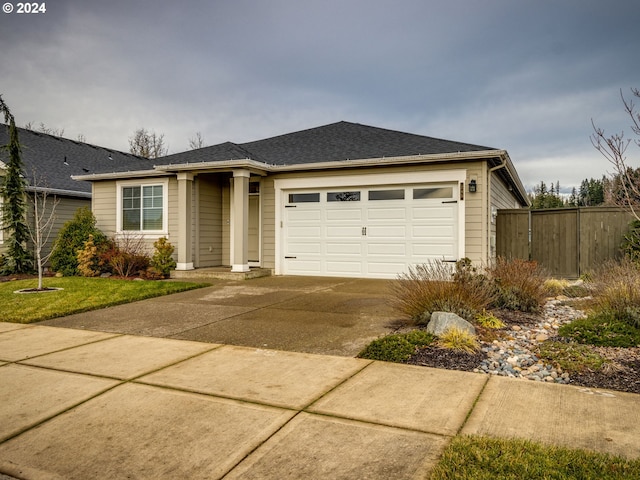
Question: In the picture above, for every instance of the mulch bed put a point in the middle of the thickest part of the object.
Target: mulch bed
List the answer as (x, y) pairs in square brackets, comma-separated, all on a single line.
[(623, 373)]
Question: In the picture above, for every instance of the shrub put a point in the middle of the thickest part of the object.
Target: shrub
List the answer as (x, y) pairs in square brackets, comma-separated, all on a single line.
[(89, 262), (602, 329), (128, 256), (71, 238), (397, 347), (435, 286), (162, 260), (519, 284), (631, 242), (555, 287), (570, 357), (616, 291), (489, 320), (459, 340)]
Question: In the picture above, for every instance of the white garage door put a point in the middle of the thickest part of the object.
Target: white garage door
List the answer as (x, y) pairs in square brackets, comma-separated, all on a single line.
[(372, 231)]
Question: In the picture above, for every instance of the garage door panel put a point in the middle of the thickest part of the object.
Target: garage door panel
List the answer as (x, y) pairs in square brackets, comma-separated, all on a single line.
[(380, 213), (398, 232), (305, 231), (302, 248), (344, 267), (386, 249), (429, 213), (344, 231), (443, 231), (306, 267), (432, 250), (344, 248), (346, 214), (303, 214), (386, 270)]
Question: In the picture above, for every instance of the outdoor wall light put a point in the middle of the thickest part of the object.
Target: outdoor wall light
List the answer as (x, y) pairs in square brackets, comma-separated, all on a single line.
[(472, 186)]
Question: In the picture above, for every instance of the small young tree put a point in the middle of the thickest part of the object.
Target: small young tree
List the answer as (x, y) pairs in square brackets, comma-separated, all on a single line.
[(18, 258), (44, 216)]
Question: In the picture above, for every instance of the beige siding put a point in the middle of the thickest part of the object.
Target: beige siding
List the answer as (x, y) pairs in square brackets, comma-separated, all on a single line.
[(475, 213), (268, 206), (103, 205), (501, 198)]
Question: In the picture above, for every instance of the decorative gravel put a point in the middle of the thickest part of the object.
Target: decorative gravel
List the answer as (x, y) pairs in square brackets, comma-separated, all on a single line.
[(511, 354)]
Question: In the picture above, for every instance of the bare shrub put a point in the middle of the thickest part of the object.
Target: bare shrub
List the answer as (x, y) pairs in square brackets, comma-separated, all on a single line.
[(129, 257)]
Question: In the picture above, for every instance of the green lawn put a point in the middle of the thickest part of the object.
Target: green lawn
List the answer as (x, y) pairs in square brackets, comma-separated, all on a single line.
[(483, 458), (79, 294)]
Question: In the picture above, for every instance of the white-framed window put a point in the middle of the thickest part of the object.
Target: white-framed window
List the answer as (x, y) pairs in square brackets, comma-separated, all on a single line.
[(142, 206)]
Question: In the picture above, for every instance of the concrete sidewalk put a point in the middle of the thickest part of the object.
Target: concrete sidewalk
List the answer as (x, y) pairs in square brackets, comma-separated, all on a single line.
[(86, 404)]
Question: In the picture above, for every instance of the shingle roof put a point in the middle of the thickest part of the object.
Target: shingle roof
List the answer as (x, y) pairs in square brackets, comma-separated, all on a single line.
[(56, 159), (345, 140), (334, 142)]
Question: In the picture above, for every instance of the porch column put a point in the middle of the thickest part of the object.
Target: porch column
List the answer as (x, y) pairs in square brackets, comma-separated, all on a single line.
[(240, 219), (184, 214)]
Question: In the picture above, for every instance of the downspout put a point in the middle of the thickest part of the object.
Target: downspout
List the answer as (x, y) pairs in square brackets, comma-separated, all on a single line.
[(490, 172)]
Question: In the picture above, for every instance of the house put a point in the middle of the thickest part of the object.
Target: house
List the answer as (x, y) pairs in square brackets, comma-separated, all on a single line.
[(343, 199), (50, 162)]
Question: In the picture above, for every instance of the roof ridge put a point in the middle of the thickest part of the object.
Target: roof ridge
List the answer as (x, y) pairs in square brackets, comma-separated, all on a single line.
[(77, 142)]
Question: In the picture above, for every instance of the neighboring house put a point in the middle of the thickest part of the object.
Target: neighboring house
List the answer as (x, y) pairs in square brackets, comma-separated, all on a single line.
[(344, 200), (50, 161)]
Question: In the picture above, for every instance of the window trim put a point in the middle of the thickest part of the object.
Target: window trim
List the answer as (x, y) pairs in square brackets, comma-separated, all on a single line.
[(164, 183)]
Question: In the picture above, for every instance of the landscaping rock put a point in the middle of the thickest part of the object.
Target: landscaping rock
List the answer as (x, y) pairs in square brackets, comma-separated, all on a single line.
[(442, 321)]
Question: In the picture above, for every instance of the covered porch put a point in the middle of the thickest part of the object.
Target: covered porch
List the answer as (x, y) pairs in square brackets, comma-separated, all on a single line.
[(217, 216)]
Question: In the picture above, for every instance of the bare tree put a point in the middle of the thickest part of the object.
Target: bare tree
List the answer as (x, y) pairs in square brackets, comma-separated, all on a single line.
[(56, 132), (44, 217), (196, 142), (613, 147), (81, 138), (147, 144)]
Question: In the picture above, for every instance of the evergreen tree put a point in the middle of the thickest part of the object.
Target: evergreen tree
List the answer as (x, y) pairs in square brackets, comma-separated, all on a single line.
[(19, 260), (573, 198), (546, 198)]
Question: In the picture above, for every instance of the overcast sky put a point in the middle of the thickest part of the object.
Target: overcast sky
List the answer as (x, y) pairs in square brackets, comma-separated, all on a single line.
[(526, 76)]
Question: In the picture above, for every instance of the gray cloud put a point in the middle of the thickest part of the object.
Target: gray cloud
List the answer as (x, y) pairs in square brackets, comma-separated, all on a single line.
[(526, 76)]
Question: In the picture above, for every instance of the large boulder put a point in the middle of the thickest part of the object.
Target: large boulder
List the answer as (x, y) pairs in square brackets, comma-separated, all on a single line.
[(442, 321)]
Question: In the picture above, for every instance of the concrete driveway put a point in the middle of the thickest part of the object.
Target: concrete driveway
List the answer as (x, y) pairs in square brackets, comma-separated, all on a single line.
[(333, 316)]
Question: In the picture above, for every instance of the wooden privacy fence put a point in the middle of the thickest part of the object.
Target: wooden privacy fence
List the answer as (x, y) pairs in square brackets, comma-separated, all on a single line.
[(566, 241)]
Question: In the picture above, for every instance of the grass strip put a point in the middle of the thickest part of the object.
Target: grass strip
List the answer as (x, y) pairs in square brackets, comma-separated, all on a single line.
[(79, 294), (480, 458)]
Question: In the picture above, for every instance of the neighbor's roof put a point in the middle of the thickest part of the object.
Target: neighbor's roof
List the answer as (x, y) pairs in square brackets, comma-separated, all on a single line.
[(334, 142), (54, 160)]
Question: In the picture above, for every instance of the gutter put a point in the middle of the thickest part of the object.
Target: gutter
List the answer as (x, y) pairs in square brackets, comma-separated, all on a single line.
[(264, 168), (58, 191), (116, 175)]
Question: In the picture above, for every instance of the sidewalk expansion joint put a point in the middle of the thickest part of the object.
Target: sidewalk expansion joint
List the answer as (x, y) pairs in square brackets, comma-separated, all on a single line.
[(346, 379), (473, 405)]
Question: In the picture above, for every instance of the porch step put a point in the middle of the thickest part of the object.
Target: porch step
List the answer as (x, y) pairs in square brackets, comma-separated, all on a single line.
[(221, 273)]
